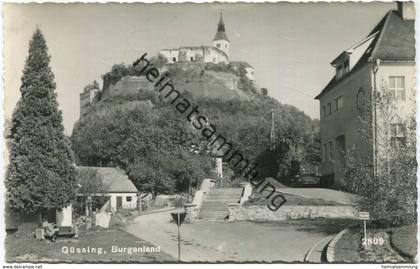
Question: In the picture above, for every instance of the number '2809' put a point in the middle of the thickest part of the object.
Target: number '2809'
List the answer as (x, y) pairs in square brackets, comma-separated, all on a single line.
[(373, 241)]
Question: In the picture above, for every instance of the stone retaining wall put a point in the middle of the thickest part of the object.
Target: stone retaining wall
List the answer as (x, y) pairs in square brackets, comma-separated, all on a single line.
[(262, 213), (192, 211)]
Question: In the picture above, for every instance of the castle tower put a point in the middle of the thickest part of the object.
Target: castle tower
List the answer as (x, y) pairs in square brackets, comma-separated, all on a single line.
[(220, 40)]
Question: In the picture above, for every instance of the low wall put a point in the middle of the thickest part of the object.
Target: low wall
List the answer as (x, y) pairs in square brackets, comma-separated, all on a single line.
[(262, 213), (192, 211)]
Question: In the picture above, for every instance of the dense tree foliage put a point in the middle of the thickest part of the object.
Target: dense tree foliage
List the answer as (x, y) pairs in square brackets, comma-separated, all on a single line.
[(247, 124), (41, 175), (151, 143)]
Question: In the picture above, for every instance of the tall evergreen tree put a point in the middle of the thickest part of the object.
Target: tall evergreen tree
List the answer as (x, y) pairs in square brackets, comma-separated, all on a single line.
[(41, 175)]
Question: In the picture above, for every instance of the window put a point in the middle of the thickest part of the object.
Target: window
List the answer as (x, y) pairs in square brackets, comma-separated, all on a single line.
[(339, 103), (128, 198), (174, 59), (338, 72), (342, 69), (346, 67), (397, 87), (328, 109), (192, 59), (324, 150), (330, 150), (324, 111), (398, 134)]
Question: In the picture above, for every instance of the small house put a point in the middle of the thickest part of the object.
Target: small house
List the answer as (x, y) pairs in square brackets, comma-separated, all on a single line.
[(113, 183)]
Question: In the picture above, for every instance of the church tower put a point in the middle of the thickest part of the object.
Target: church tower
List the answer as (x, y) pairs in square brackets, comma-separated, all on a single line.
[(220, 40)]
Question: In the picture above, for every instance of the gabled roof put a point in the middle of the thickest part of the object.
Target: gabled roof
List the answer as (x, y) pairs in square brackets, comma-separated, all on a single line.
[(393, 41), (396, 41), (113, 178), (221, 32)]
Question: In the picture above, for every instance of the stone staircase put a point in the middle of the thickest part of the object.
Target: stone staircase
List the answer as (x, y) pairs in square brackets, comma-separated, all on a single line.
[(215, 204)]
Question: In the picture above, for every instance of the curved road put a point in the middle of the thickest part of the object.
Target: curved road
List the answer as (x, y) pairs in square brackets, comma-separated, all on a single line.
[(287, 241)]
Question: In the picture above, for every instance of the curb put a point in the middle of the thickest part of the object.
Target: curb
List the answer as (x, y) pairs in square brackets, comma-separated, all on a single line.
[(314, 254), (400, 251), (331, 246)]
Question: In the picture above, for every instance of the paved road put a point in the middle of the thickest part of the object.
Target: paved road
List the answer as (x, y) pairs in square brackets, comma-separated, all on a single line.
[(239, 242)]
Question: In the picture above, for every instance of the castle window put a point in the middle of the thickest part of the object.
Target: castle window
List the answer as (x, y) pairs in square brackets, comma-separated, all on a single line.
[(397, 87), (128, 198), (173, 59), (192, 59)]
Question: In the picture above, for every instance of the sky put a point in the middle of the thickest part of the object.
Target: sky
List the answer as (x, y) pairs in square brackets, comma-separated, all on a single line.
[(290, 45)]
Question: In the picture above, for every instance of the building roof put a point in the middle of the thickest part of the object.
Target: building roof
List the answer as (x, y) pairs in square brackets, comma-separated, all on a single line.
[(239, 63), (393, 42), (221, 32), (113, 178)]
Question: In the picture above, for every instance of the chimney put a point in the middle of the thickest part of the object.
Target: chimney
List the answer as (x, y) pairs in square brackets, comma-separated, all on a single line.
[(406, 10)]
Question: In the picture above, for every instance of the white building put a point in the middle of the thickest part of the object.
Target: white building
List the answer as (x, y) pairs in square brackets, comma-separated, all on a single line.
[(121, 191), (382, 61), (217, 53)]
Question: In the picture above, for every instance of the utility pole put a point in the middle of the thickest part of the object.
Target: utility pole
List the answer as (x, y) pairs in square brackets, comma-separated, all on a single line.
[(179, 237), (272, 132), (375, 135)]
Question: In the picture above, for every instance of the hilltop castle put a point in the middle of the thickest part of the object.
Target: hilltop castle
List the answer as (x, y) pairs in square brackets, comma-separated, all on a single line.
[(218, 53)]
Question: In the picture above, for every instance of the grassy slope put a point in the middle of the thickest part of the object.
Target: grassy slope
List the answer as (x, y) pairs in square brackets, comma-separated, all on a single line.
[(25, 248), (402, 241)]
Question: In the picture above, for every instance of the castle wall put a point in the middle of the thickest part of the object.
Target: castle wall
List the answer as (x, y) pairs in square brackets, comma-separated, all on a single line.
[(86, 99), (213, 55), (195, 54), (191, 54), (172, 56)]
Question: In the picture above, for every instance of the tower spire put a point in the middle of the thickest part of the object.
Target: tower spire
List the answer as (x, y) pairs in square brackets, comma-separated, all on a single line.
[(221, 25), (221, 31)]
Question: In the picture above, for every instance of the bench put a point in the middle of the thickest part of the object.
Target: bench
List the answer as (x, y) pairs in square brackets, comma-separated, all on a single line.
[(67, 231), (63, 231)]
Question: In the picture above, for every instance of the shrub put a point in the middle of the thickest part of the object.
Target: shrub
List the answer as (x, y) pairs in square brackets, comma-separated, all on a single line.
[(390, 192)]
